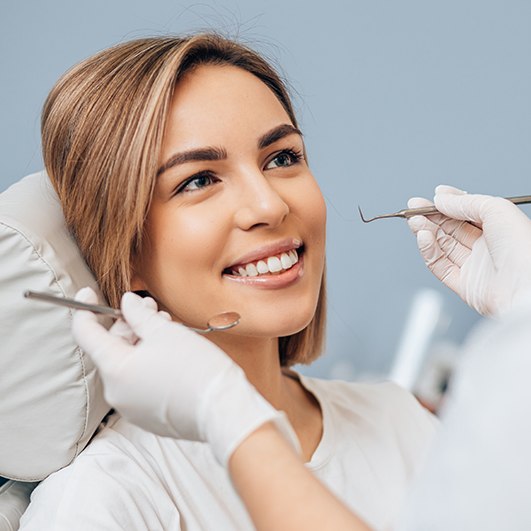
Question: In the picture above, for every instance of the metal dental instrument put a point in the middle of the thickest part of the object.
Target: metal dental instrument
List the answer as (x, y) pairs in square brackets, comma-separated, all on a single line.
[(217, 323), (430, 210)]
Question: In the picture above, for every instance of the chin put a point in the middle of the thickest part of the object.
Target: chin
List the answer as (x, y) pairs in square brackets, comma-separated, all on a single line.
[(279, 324)]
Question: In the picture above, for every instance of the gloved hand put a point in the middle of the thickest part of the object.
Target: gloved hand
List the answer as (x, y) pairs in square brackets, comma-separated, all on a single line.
[(170, 380), (480, 247)]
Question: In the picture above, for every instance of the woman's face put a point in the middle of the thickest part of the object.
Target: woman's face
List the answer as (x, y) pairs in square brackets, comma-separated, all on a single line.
[(235, 206)]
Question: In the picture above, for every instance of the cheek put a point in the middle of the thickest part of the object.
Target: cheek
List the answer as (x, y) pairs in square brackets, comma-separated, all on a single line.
[(182, 248), (311, 208)]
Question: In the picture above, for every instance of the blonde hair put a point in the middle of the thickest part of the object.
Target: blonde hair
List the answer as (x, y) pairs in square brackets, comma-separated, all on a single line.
[(102, 129)]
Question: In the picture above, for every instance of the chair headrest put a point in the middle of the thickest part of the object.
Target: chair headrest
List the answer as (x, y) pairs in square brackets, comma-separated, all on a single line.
[(51, 396)]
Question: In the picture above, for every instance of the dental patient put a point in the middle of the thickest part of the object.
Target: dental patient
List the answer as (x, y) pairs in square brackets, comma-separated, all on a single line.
[(182, 174)]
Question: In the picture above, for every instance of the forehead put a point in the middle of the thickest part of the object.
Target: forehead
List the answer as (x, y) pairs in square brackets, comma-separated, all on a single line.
[(215, 104)]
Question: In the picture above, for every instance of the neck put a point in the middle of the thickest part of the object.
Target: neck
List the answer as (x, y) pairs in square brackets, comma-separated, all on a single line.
[(259, 359)]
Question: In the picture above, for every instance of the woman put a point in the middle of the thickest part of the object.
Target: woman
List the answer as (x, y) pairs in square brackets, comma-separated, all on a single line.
[(182, 173)]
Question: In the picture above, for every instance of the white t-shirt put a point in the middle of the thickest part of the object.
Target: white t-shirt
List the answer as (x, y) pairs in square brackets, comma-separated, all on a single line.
[(375, 436)]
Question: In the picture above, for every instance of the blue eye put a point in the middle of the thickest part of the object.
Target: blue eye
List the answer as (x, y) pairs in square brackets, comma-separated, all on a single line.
[(284, 159), (197, 182)]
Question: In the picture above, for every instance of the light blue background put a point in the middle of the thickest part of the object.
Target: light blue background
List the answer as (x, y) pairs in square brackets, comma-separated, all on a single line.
[(394, 98)]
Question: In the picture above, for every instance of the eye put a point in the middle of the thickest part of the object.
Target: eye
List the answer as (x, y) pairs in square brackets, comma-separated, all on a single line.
[(284, 159), (197, 182)]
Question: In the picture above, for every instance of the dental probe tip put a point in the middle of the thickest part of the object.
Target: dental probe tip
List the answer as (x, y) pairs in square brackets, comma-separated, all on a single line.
[(394, 215), (361, 215)]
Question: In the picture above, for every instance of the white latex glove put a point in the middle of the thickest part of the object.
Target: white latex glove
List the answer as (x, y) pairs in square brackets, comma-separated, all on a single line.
[(480, 247), (170, 380)]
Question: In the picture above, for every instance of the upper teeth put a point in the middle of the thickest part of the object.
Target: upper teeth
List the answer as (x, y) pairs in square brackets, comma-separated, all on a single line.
[(272, 264)]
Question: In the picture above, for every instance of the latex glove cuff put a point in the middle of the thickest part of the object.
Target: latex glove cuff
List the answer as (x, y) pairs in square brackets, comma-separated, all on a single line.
[(226, 428)]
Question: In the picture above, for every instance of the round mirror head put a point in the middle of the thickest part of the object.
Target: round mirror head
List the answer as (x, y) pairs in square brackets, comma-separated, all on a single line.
[(223, 321)]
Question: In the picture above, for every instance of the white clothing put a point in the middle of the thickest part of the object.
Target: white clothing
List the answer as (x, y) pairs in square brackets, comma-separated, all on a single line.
[(375, 436), (477, 472)]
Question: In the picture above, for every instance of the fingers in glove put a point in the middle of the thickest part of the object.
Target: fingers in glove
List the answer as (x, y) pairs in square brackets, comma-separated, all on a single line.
[(465, 233), (165, 315), (446, 189), (459, 233), (143, 319), (452, 247), (420, 202), (437, 261), (149, 302), (475, 208), (92, 337), (152, 304), (121, 329)]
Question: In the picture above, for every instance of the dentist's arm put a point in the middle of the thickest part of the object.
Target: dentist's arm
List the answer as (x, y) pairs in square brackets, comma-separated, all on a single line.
[(280, 492), (480, 247)]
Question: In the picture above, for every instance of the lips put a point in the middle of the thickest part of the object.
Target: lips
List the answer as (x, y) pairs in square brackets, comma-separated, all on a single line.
[(267, 250), (273, 265)]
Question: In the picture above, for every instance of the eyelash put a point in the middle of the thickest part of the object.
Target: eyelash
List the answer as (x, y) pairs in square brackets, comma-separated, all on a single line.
[(295, 155), (201, 175)]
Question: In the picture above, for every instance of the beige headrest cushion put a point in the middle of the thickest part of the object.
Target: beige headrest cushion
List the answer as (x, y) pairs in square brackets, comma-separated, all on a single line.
[(51, 399)]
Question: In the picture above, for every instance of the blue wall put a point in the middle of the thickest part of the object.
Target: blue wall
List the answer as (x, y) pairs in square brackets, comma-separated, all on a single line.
[(394, 98)]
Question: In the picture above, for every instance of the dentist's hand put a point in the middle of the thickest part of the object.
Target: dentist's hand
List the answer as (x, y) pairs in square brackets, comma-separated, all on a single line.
[(480, 247), (170, 380)]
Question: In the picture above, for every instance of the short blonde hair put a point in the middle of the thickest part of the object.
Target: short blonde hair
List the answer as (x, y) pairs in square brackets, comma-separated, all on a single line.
[(102, 129)]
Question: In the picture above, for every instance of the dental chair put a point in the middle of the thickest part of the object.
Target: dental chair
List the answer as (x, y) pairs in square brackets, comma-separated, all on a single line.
[(51, 400)]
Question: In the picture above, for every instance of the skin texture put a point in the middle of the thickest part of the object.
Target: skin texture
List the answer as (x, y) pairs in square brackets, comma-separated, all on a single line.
[(254, 196)]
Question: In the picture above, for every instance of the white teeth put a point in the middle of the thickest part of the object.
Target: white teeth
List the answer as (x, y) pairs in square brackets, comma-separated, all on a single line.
[(251, 270), (285, 260), (274, 264), (262, 267)]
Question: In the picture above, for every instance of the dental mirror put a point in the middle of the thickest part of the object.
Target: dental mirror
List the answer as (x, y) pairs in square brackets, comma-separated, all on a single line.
[(220, 322), (217, 323)]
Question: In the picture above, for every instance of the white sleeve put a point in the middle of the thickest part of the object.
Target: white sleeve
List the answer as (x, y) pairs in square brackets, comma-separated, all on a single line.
[(477, 474)]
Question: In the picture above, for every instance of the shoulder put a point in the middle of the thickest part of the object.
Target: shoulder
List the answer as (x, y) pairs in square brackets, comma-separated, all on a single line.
[(378, 394), (384, 403), (108, 486)]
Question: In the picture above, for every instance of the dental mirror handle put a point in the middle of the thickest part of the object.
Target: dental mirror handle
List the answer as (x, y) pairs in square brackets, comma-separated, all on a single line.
[(218, 323)]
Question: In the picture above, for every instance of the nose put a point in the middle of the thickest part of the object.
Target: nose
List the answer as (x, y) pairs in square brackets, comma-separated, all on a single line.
[(260, 204)]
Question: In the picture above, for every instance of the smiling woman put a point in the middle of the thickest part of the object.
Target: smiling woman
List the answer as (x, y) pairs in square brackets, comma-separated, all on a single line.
[(182, 173), (181, 141)]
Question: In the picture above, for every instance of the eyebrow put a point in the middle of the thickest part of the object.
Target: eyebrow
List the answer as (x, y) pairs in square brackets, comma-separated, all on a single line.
[(276, 134), (193, 155), (217, 153)]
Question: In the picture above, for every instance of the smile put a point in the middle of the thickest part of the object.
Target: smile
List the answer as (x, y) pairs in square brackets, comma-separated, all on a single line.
[(272, 265), (275, 268)]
